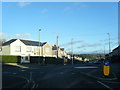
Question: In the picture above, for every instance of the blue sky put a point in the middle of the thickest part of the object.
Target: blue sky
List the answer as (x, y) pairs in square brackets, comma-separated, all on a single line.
[(87, 23)]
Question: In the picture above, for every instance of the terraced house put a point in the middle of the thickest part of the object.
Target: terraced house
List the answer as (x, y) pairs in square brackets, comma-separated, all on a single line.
[(26, 48), (58, 51)]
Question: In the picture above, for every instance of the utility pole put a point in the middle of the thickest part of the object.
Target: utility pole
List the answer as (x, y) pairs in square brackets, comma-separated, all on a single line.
[(104, 51), (109, 42), (72, 49), (57, 45), (39, 45)]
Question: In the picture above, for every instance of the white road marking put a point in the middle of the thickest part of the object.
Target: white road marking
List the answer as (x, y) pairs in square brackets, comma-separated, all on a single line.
[(36, 86), (114, 75), (86, 67), (33, 85), (14, 73), (61, 72), (30, 76), (73, 73), (22, 70), (112, 82), (105, 85)]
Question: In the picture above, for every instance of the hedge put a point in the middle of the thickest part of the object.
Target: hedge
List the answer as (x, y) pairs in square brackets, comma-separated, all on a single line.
[(10, 59), (51, 60), (48, 60)]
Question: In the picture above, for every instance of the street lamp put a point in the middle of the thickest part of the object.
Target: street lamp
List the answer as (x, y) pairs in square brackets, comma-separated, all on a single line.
[(39, 44), (109, 42)]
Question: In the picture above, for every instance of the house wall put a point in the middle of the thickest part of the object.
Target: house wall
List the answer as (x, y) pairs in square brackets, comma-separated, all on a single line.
[(24, 51), (31, 50), (37, 51), (47, 50), (60, 53), (63, 53), (17, 48), (5, 50)]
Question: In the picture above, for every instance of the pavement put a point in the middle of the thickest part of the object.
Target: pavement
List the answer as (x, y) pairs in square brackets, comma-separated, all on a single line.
[(98, 73), (15, 64)]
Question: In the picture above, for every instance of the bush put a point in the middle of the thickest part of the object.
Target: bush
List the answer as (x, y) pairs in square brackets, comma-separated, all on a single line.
[(10, 59)]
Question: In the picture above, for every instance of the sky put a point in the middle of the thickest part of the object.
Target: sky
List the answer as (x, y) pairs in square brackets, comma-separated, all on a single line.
[(86, 24)]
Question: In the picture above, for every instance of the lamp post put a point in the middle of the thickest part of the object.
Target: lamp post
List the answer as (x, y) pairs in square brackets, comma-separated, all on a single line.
[(39, 44), (109, 42)]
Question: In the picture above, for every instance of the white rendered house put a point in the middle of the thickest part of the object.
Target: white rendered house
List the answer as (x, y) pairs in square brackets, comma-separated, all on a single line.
[(26, 48)]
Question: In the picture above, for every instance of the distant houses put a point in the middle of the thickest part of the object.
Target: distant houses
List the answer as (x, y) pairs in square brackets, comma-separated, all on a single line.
[(60, 52)]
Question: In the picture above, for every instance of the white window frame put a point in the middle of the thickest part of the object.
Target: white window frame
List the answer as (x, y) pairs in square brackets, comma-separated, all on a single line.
[(28, 49)]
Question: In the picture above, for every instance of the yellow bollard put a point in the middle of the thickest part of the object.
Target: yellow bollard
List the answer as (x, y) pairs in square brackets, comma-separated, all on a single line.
[(106, 69)]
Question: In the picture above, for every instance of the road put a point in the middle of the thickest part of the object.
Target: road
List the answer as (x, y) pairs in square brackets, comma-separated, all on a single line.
[(54, 76)]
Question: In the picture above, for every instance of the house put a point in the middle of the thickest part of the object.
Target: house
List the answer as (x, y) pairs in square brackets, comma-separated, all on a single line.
[(26, 48), (69, 57), (58, 51), (63, 52), (115, 51), (78, 58), (86, 59)]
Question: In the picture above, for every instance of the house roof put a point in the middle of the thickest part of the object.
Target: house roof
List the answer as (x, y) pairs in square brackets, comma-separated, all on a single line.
[(8, 42), (117, 48), (62, 49), (55, 47), (26, 42)]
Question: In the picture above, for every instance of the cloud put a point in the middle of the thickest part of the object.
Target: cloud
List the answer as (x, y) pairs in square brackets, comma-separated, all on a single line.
[(66, 9), (69, 43), (44, 11), (74, 6), (107, 39), (23, 4), (24, 35), (3, 36), (80, 4), (89, 45)]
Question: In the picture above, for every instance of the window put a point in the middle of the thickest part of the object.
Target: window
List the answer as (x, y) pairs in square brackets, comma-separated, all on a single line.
[(18, 48), (28, 49), (47, 50)]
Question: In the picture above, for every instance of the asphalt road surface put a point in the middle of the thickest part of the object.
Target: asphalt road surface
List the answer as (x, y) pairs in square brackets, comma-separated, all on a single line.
[(53, 76)]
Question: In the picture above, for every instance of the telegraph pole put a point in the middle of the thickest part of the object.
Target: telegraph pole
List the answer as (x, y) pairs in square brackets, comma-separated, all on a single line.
[(57, 45), (104, 51), (72, 49), (109, 42)]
